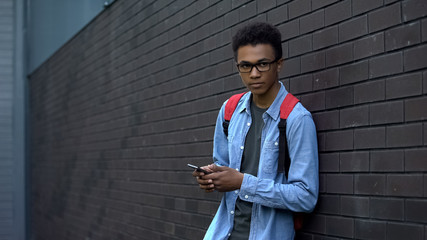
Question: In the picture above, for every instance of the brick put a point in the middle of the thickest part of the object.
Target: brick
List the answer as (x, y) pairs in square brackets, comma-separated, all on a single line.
[(380, 208), (300, 45), (369, 92), (339, 55), (387, 161), (237, 3), (340, 227), (415, 58), (415, 211), (339, 97), (355, 206), (369, 138), (354, 162), (425, 82), (313, 61), (247, 11), (316, 223), (322, 183), (298, 8), (314, 101), (424, 30), (326, 120), (425, 134), (278, 15), (321, 3), (390, 1), (265, 5), (312, 22), (405, 185), (403, 36), (425, 185), (404, 135), (396, 231), (354, 72), (363, 6), (386, 65), (385, 113), (404, 86), (369, 184), (413, 9), (285, 50), (353, 28), (337, 12), (415, 160), (231, 18), (292, 66), (301, 84), (329, 162), (384, 17), (339, 183), (369, 46), (329, 204), (326, 79), (326, 37), (415, 109), (368, 229), (289, 30), (354, 117)]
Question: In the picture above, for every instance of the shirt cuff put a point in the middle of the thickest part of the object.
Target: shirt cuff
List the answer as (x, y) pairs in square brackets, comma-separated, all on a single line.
[(248, 188)]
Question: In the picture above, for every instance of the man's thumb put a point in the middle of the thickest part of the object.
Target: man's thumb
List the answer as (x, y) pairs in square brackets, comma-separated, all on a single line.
[(216, 168)]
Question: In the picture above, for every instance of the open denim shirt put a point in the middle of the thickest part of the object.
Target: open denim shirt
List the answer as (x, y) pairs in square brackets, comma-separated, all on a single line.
[(273, 196)]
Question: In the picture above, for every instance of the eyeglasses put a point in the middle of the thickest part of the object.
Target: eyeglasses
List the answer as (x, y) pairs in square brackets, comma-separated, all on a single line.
[(261, 66)]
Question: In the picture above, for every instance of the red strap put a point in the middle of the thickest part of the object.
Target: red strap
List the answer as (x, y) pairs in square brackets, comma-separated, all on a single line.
[(231, 105), (288, 105)]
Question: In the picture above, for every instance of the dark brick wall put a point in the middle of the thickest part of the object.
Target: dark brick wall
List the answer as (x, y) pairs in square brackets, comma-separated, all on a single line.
[(7, 163), (119, 110)]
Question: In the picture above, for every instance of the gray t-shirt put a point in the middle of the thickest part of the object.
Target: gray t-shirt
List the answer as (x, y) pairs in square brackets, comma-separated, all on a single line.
[(250, 161)]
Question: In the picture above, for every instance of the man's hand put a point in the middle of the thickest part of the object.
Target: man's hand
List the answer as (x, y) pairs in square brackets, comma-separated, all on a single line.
[(222, 179), (205, 184)]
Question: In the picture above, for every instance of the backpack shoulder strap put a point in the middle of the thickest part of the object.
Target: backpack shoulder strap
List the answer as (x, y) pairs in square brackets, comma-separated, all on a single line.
[(286, 108), (288, 105), (230, 106)]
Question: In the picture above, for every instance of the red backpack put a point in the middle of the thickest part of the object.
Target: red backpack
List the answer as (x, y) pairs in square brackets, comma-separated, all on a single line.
[(284, 162)]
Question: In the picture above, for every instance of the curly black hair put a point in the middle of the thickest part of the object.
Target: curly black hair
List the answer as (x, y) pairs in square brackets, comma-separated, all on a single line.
[(258, 33)]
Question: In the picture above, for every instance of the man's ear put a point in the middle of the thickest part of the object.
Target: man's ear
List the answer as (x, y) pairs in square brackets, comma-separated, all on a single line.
[(279, 65)]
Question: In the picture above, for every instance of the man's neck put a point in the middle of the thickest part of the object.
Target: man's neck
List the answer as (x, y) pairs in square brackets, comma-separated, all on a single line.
[(265, 100)]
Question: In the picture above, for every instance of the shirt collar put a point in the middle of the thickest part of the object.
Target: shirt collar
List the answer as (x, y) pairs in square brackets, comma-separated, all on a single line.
[(274, 109)]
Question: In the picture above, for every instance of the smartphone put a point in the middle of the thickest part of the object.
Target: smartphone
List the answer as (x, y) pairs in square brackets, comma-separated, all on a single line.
[(198, 168)]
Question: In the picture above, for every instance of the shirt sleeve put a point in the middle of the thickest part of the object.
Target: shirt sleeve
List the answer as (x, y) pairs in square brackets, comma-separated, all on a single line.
[(220, 143), (300, 192)]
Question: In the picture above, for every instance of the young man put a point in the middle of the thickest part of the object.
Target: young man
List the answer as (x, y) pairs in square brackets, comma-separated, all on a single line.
[(258, 200)]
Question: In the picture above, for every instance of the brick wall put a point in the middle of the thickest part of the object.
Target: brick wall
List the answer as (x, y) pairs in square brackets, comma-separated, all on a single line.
[(12, 122), (120, 109), (7, 164)]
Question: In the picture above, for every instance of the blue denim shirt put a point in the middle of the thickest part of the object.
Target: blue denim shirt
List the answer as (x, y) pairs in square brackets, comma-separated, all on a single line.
[(273, 196)]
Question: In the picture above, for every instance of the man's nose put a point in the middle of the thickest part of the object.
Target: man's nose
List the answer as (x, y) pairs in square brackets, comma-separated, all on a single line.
[(254, 72)]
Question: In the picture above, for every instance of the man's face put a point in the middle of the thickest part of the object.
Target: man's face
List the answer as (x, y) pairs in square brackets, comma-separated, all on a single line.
[(259, 83)]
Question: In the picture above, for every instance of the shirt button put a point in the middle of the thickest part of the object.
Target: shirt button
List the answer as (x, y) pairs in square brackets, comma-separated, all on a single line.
[(248, 124), (236, 192), (237, 169), (229, 234), (246, 196), (232, 212), (276, 143), (241, 147)]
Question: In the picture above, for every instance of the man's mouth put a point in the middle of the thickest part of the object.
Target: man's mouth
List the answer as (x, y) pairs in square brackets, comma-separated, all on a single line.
[(256, 85)]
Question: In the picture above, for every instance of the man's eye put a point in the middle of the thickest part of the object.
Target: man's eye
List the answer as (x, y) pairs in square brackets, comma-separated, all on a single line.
[(245, 66), (262, 64)]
